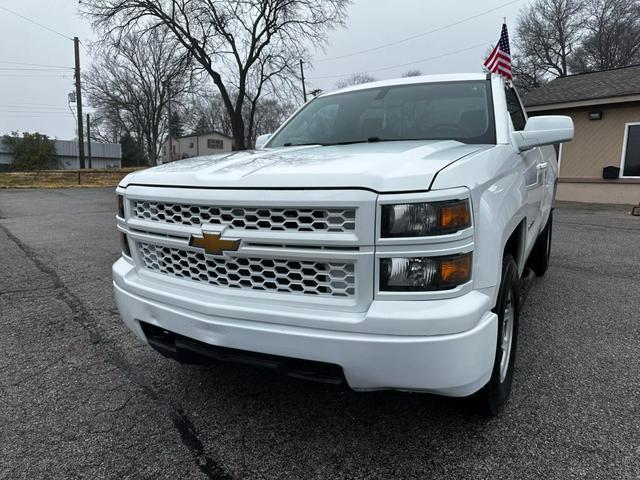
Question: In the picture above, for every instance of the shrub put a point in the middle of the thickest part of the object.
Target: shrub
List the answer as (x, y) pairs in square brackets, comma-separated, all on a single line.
[(31, 151)]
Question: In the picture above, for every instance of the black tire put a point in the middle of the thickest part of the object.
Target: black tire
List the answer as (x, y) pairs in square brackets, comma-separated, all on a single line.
[(541, 253), (490, 400)]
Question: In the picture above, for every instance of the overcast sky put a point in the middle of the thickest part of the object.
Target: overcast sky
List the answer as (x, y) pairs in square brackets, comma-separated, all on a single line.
[(36, 100)]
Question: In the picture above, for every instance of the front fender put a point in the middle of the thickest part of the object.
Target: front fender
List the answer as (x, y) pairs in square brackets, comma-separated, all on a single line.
[(498, 194)]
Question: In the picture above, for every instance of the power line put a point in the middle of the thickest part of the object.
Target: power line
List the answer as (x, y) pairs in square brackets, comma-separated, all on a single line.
[(30, 110), (34, 64), (86, 50), (25, 113), (65, 115), (483, 44), (19, 69), (38, 115), (423, 34), (29, 75), (35, 23), (12, 109), (41, 114), (31, 104)]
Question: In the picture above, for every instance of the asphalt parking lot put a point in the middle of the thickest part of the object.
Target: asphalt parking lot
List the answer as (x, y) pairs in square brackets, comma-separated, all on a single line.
[(80, 397)]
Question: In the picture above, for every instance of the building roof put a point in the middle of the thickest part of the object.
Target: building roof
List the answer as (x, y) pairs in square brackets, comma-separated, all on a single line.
[(204, 134), (618, 82), (69, 148)]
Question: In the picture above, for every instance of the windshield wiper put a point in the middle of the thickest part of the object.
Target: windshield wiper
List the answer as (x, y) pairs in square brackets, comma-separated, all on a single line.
[(351, 142), (289, 144), (374, 140)]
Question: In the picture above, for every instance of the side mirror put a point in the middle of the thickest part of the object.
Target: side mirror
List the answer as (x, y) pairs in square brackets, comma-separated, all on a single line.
[(263, 139), (544, 130)]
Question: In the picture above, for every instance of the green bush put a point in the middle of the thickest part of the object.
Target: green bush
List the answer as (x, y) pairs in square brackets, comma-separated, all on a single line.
[(31, 151)]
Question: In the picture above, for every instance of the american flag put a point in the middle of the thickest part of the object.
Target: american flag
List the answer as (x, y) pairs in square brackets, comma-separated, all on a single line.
[(500, 59)]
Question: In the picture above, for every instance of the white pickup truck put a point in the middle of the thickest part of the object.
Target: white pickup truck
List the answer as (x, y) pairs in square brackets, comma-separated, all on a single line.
[(378, 238)]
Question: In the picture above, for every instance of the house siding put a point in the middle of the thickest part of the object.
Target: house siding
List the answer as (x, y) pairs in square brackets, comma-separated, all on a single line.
[(596, 144), (195, 145)]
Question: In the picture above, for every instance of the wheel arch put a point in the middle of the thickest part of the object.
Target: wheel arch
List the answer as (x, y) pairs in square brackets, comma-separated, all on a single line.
[(514, 244)]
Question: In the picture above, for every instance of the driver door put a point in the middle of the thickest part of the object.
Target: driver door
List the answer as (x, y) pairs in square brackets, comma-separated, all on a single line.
[(533, 169)]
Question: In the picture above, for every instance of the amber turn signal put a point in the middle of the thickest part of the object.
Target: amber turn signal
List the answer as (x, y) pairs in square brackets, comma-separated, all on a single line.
[(455, 216), (455, 270)]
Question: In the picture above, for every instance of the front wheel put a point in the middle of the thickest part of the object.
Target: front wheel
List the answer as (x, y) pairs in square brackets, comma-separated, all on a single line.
[(493, 396)]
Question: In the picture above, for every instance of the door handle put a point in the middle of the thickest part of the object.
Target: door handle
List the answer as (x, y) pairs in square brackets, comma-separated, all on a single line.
[(542, 166)]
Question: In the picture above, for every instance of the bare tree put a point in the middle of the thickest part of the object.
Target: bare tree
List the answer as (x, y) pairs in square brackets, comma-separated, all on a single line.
[(130, 84), (235, 42), (527, 75), (547, 34), (414, 72), (270, 114), (612, 36), (355, 79), (206, 113)]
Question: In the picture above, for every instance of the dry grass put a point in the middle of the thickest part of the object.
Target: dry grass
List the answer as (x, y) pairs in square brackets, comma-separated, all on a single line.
[(63, 178)]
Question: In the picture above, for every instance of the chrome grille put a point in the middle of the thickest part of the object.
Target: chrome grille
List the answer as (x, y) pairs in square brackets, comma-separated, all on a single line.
[(269, 219), (336, 279)]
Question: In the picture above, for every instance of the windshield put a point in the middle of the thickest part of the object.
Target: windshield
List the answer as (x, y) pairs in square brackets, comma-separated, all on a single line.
[(459, 111)]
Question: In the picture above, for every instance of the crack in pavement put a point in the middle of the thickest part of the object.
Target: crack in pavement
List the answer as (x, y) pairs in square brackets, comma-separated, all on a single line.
[(181, 422)]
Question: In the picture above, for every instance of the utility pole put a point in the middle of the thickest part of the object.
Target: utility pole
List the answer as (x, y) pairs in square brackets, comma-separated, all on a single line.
[(89, 139), (168, 88), (76, 49), (304, 88)]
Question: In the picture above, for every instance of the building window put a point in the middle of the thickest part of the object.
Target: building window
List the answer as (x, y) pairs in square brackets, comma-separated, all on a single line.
[(631, 151), (215, 144), (190, 144)]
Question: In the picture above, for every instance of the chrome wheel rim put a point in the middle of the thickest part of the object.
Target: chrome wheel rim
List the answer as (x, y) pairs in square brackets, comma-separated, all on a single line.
[(506, 341)]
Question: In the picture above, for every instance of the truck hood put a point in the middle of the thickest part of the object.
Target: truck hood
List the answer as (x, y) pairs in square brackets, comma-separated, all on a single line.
[(379, 166)]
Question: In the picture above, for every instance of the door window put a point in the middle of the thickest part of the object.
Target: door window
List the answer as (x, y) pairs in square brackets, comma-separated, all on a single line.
[(632, 152)]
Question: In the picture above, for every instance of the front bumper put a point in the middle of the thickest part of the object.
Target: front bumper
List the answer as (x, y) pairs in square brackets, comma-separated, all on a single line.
[(453, 364)]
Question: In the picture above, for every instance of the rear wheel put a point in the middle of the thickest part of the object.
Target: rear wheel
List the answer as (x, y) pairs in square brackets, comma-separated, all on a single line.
[(493, 396), (539, 258)]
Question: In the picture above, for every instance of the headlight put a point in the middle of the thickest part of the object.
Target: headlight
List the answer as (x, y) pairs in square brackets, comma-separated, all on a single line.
[(120, 199), (424, 274), (425, 219)]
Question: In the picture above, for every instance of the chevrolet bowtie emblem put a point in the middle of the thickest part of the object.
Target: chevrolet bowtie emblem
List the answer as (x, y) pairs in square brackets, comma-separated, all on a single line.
[(212, 244)]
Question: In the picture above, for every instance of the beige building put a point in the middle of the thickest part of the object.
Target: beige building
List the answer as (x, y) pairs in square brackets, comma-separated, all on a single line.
[(196, 145), (602, 163)]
